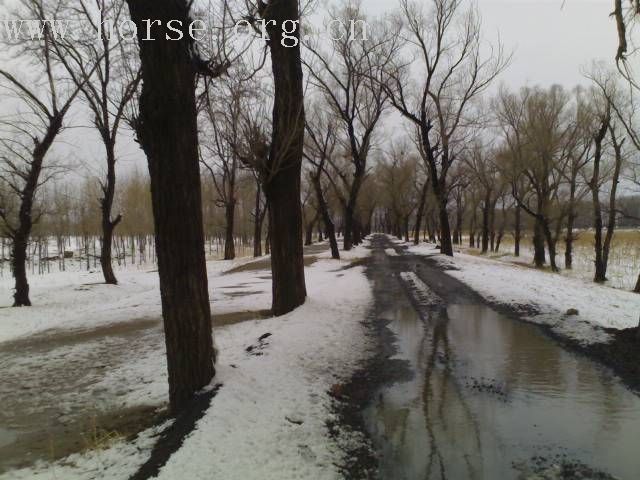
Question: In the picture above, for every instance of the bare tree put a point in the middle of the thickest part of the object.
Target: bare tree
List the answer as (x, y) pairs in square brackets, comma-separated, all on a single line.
[(347, 76), (220, 149), (482, 167), (107, 91), (167, 130), (605, 126), (29, 136), (396, 177), (282, 170), (540, 134), (321, 145), (453, 74)]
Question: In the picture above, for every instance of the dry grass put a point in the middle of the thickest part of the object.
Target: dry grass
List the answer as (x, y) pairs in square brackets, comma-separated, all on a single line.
[(624, 257)]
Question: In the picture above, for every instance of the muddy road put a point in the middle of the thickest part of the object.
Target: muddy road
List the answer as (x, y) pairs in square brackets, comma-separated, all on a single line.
[(477, 394)]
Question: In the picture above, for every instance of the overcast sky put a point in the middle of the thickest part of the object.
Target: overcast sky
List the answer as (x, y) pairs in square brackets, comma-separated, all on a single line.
[(551, 41)]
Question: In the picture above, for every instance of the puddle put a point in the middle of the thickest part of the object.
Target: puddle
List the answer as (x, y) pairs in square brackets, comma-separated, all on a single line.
[(494, 399), (231, 318)]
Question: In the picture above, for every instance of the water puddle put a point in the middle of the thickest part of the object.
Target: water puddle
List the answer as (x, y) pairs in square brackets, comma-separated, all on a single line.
[(493, 398)]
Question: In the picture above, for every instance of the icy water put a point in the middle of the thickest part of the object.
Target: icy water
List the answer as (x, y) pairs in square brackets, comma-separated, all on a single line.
[(493, 398)]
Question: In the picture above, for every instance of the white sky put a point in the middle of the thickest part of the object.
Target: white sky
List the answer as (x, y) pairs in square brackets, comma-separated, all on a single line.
[(552, 42)]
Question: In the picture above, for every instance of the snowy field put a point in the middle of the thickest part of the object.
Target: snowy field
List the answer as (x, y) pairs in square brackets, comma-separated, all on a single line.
[(278, 392), (624, 257), (551, 295)]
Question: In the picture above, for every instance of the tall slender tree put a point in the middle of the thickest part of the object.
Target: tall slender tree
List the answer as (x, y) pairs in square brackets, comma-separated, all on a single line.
[(106, 92)]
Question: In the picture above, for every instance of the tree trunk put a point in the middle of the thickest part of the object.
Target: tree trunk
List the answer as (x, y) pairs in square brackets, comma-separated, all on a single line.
[(108, 225), (18, 262), (267, 241), (406, 229), (538, 244), (326, 217), (611, 221), (168, 133), (258, 219), (445, 231), (551, 244), (308, 233), (518, 233), (229, 244), (485, 221), (420, 212), (285, 160), (601, 270)]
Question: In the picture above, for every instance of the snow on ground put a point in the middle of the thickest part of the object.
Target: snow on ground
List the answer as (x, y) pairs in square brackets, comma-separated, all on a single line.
[(391, 252), (551, 294), (68, 300), (268, 419), (251, 429)]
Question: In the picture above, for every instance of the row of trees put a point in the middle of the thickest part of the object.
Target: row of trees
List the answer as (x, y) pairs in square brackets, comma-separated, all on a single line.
[(210, 110)]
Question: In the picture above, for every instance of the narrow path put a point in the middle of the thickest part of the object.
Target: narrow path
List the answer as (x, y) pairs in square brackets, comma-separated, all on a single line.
[(479, 395)]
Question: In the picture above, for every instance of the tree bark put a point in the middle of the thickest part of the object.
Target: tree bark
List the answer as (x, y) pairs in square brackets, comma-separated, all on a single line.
[(518, 228), (445, 231), (486, 206), (21, 235), (538, 244), (308, 233), (168, 133), (551, 244), (258, 220), (568, 241), (326, 216), (229, 244), (108, 225), (285, 160)]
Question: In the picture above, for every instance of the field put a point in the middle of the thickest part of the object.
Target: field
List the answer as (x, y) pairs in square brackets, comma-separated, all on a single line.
[(624, 258)]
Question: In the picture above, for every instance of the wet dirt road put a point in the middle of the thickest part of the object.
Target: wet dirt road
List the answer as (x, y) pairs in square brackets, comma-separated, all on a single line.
[(487, 396)]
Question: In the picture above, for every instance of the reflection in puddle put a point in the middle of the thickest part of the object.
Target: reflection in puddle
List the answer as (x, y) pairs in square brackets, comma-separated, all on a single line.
[(490, 393)]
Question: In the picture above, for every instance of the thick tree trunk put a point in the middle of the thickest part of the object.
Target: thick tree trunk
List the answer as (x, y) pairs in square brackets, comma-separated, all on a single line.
[(601, 270), (18, 263), (568, 241), (486, 206), (168, 133), (308, 233), (25, 219), (267, 241), (538, 244), (518, 230), (285, 160), (105, 251), (347, 239), (637, 287), (229, 244), (258, 219), (551, 244), (350, 220), (445, 232)]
